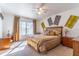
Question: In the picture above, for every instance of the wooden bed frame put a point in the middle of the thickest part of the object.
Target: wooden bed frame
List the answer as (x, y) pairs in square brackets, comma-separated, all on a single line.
[(58, 28), (50, 29)]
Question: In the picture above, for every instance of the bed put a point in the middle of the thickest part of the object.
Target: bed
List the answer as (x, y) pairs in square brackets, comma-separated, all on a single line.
[(45, 42)]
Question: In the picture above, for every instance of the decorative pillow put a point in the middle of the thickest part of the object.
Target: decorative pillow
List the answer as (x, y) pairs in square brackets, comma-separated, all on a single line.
[(46, 32), (53, 32)]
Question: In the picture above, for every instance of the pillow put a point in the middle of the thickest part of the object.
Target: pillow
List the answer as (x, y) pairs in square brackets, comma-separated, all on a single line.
[(54, 32), (46, 32)]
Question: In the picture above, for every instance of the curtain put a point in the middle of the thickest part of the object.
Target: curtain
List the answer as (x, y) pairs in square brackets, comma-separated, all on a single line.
[(34, 26), (16, 28)]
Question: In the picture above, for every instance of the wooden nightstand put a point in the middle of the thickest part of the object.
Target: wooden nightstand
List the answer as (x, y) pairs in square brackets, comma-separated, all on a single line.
[(67, 41), (76, 47)]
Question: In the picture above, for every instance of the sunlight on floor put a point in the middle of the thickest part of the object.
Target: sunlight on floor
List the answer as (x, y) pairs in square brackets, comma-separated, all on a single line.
[(16, 46), (17, 49)]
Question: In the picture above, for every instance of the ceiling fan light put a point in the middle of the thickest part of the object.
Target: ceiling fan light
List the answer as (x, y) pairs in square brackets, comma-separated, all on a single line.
[(39, 13), (40, 9)]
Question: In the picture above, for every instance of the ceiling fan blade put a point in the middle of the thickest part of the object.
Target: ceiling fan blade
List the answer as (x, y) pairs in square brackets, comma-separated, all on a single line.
[(42, 4)]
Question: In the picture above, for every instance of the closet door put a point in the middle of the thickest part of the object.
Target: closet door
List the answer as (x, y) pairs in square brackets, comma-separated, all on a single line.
[(0, 27)]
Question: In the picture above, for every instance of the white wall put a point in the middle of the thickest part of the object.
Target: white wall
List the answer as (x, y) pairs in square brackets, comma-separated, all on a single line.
[(38, 26), (0, 27), (64, 17), (74, 32), (8, 23)]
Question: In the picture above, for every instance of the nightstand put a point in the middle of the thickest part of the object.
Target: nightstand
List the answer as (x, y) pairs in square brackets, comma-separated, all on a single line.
[(67, 41), (76, 47)]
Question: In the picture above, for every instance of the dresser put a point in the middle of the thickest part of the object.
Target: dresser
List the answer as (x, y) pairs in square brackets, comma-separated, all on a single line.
[(67, 41), (76, 47), (5, 43)]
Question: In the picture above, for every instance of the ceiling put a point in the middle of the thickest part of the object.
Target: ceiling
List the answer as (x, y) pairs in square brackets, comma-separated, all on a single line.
[(28, 9)]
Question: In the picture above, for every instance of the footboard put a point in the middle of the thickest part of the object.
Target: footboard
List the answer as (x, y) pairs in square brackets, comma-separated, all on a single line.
[(48, 45), (33, 44)]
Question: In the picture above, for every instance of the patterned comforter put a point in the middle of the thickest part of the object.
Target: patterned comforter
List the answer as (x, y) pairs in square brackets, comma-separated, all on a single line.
[(43, 43)]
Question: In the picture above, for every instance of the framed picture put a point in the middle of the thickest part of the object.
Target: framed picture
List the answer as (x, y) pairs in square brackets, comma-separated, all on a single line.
[(43, 25), (50, 21), (71, 21), (57, 19)]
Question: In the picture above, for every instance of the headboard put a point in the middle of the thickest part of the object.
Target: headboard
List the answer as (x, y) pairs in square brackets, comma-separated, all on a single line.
[(59, 29)]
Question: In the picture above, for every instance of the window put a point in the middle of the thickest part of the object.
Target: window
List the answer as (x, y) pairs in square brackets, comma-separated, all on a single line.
[(26, 28), (23, 28), (29, 28)]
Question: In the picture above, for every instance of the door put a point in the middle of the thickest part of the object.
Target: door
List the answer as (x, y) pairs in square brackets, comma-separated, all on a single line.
[(26, 28)]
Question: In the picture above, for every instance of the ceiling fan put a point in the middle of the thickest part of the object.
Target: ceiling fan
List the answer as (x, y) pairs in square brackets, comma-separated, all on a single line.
[(41, 9)]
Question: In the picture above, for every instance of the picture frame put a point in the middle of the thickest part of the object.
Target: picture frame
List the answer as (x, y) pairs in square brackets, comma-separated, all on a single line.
[(57, 19), (71, 21), (50, 22), (43, 26)]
